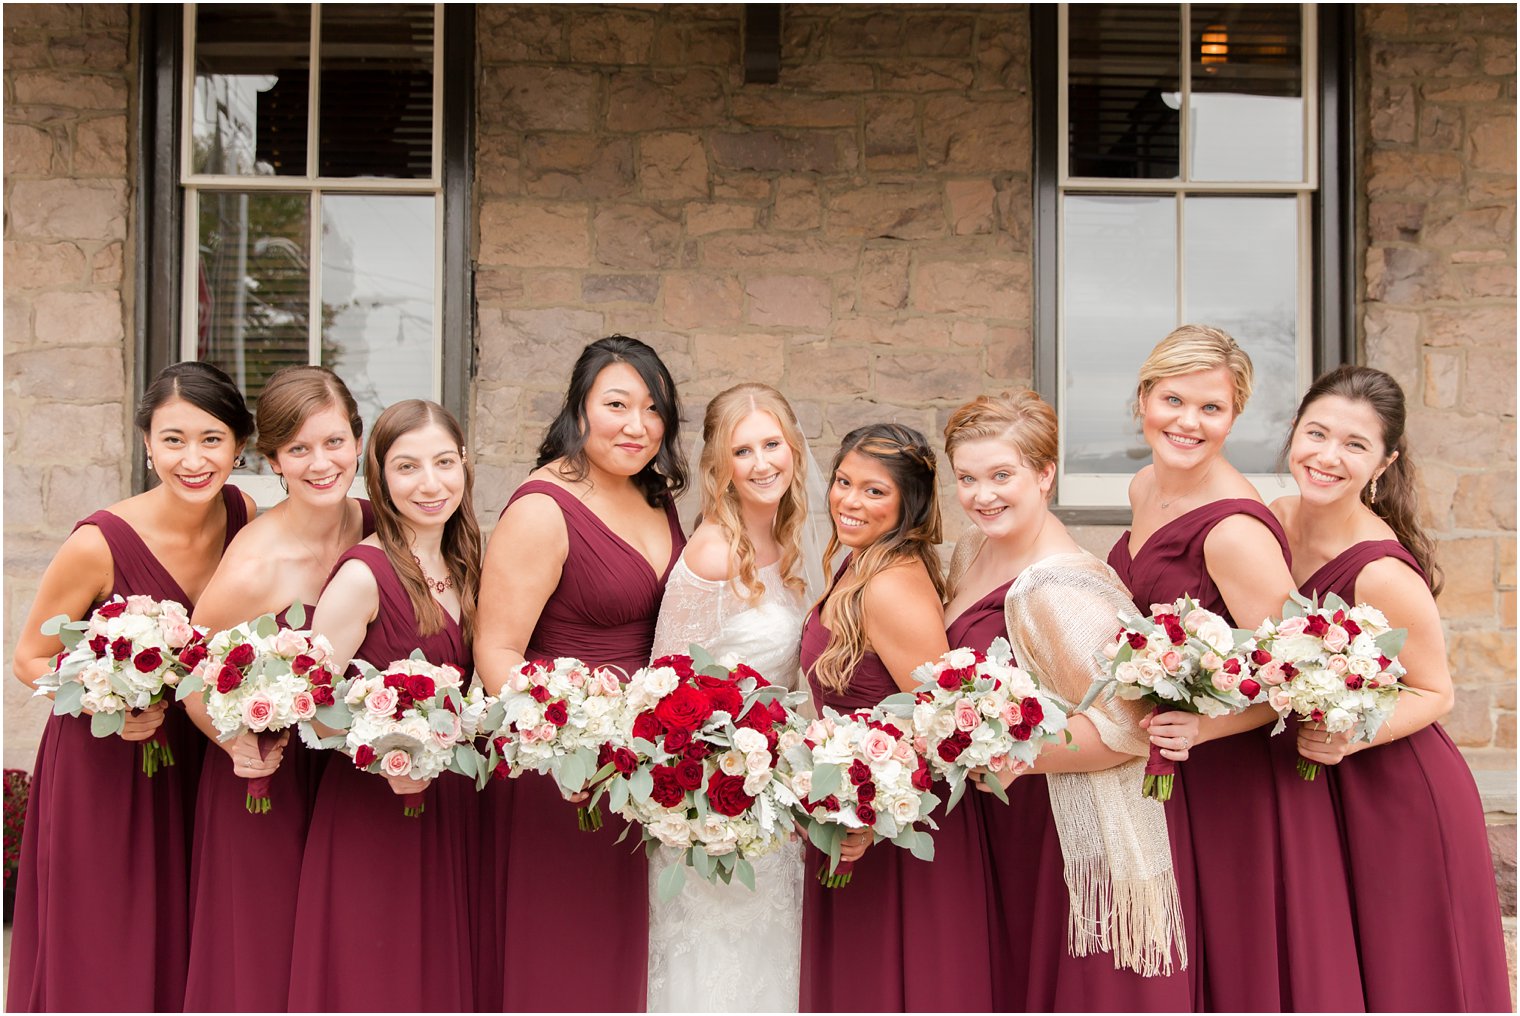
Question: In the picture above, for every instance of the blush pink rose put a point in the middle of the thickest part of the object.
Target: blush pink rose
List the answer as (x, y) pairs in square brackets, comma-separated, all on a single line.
[(1337, 665), (444, 738), (1223, 680), (1171, 661), (381, 702), (304, 705), (903, 752), (396, 763), (607, 682), (289, 643), (1336, 638), (1272, 674), (258, 710), (966, 716), (177, 633), (518, 681), (544, 731), (1289, 626), (878, 745)]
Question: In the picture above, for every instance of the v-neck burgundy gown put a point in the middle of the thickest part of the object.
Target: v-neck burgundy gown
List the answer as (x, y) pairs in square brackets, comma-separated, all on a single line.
[(1260, 868), (565, 898), (102, 917), (1430, 937)]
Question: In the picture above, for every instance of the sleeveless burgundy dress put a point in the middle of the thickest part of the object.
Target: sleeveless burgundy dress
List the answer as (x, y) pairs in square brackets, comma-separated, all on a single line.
[(1033, 971), (560, 893), (383, 912), (905, 935), (1261, 870), (240, 926), (101, 920), (1431, 939)]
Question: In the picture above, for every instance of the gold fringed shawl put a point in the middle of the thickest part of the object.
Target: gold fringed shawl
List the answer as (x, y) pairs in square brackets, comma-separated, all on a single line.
[(1059, 613)]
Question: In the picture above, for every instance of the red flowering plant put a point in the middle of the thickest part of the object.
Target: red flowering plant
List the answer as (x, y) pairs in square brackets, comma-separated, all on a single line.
[(128, 655), (18, 788), (698, 765)]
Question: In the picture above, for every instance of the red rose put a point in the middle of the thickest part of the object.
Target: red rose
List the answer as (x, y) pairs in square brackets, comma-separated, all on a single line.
[(242, 654), (1352, 628), (675, 740), (866, 792), (726, 794), (859, 772), (1261, 657), (99, 644), (624, 761), (421, 686), (758, 717), (686, 708), (364, 755), (1315, 625), (1173, 629), (1249, 688), (922, 778), (1136, 640), (1384, 662), (502, 770), (1353, 682), (113, 609), (1232, 666), (121, 650), (777, 711), (557, 713), (1032, 711), (696, 750), (949, 750), (397, 681), (302, 663), (667, 791), (320, 675), (950, 680), (449, 706), (743, 670), (831, 803), (500, 744), (689, 774), (322, 695), (889, 728), (190, 657), (539, 693), (725, 698), (228, 678), (1021, 732), (1317, 715), (1289, 671), (645, 725), (866, 814), (148, 660), (681, 664)]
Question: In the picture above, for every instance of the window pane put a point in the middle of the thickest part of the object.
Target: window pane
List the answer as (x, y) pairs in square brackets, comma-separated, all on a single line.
[(1247, 92), (252, 70), (1241, 274), (1123, 90), (253, 283), (1119, 300), (377, 90), (378, 296)]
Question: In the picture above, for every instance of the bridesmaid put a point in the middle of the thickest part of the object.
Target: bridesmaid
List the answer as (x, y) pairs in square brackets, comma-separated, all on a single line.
[(1251, 841), (240, 927), (576, 567), (1076, 847), (872, 945), (1354, 532), (383, 912), (104, 856)]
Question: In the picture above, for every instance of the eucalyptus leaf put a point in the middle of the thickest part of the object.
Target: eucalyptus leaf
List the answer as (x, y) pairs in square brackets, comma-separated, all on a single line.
[(467, 760), (670, 883), (1391, 642), (416, 654), (68, 699), (826, 780), (617, 795), (71, 637), (569, 772), (641, 785), (921, 846), (992, 783), (54, 624), (264, 626), (957, 791), (745, 873), (295, 615), (106, 724), (701, 659), (336, 716), (702, 862)]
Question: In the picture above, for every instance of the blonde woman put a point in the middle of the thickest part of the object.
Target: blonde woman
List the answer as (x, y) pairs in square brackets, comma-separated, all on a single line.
[(738, 591)]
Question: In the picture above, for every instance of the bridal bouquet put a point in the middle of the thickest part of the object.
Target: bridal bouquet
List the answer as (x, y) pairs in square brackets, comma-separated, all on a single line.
[(861, 771), (1181, 657), (125, 656), (697, 765), (410, 719), (1331, 663), (553, 718), (261, 678), (975, 710)]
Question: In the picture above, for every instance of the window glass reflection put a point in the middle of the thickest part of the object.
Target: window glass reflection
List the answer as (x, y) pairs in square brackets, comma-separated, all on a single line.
[(1247, 108), (249, 103), (1124, 72)]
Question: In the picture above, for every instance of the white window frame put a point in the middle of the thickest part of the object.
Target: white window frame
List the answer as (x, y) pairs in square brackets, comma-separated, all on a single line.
[(266, 489), (1110, 490)]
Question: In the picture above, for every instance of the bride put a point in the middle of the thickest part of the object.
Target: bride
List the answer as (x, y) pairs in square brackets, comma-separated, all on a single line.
[(738, 591)]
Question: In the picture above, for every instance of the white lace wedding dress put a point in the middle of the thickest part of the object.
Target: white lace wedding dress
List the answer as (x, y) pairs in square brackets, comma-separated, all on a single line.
[(718, 947)]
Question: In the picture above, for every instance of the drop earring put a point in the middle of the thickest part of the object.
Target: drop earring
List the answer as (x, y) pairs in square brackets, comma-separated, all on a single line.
[(1372, 495)]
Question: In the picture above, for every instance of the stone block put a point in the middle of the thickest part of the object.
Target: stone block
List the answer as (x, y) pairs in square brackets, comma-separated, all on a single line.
[(1501, 844), (1403, 275), (798, 205), (534, 235), (985, 288), (672, 166), (54, 431), (1482, 657), (1490, 188), (1424, 59), (1438, 486), (1487, 281), (24, 492), (573, 166), (971, 206), (1002, 56), (773, 151), (18, 322), (1440, 128), (611, 37), (871, 35), (1488, 385), (926, 75), (32, 265), (1395, 221), (964, 135), (656, 99), (1497, 54), (29, 151), (1392, 113), (1470, 326), (1471, 721), (724, 359), (495, 423), (523, 31), (794, 109), (891, 132), (819, 369), (703, 218), (791, 301), (637, 236), (1469, 565), (105, 265), (1443, 371), (897, 334), (620, 288), (1393, 343), (843, 417), (940, 35), (715, 43), (69, 89), (106, 15), (770, 252), (535, 348), (68, 209), (883, 279), (498, 164), (76, 490), (1491, 142), (1406, 174), (1454, 92), (670, 46), (1507, 562), (78, 319), (1470, 228), (830, 77), (97, 51), (890, 211), (66, 373), (1010, 355), (702, 301), (537, 97)]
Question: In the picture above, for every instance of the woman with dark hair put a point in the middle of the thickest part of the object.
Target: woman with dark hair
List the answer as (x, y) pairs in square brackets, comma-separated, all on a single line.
[(576, 567), (368, 868), (240, 928), (871, 946), (1408, 795), (104, 867)]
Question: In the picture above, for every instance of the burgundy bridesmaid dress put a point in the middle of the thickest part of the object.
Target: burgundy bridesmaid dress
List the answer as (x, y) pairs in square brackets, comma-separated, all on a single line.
[(101, 920), (240, 926), (1033, 971), (1261, 870), (560, 893), (905, 935), (383, 912), (1430, 937)]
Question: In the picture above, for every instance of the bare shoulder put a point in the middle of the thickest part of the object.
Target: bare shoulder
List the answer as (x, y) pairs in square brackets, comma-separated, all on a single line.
[(535, 515), (1142, 483), (1285, 508), (899, 588), (249, 504), (86, 557), (352, 577), (1394, 587), (707, 553)]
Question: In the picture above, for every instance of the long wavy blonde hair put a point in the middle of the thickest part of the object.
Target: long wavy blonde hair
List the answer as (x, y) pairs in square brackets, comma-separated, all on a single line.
[(911, 463), (720, 501)]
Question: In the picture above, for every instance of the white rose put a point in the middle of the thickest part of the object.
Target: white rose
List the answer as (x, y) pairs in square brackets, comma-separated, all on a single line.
[(661, 681), (757, 762), (748, 741), (802, 783), (672, 829), (905, 809), (732, 763), (960, 658)]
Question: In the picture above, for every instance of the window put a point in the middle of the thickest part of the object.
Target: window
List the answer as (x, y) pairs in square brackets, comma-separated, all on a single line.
[(315, 205), (1181, 181)]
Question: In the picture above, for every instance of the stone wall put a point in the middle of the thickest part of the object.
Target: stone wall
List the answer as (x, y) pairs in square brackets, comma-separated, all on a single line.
[(67, 216)]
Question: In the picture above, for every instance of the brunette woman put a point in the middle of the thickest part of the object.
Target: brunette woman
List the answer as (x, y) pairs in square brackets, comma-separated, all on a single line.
[(240, 927), (1077, 847), (576, 567), (104, 869), (384, 910), (1201, 529), (1408, 794), (870, 946)]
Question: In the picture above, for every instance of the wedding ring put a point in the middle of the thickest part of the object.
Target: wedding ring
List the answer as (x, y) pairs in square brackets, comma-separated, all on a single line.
[(1185, 743)]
